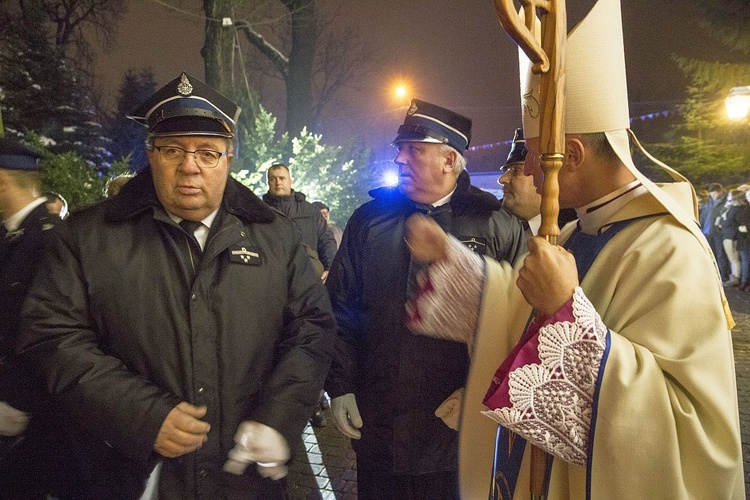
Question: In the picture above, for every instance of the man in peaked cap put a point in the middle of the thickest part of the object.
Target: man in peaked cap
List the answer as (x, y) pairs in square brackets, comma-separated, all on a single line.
[(520, 196), (626, 375), (32, 443), (192, 329), (393, 392)]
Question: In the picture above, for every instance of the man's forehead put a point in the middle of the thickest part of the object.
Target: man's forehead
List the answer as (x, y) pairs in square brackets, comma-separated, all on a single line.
[(199, 140), (418, 144)]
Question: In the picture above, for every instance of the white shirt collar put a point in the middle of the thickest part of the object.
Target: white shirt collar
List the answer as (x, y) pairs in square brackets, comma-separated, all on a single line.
[(534, 224), (14, 221), (444, 200), (596, 214), (201, 234)]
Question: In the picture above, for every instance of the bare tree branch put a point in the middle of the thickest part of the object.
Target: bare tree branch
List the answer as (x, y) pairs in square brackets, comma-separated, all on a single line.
[(272, 53)]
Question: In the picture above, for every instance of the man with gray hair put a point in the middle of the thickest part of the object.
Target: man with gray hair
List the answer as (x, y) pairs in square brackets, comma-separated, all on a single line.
[(392, 391)]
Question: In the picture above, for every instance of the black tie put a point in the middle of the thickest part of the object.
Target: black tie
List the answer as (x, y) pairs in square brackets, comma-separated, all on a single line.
[(190, 226)]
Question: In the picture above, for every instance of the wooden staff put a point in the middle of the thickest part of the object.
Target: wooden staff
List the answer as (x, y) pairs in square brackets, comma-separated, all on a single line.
[(548, 59)]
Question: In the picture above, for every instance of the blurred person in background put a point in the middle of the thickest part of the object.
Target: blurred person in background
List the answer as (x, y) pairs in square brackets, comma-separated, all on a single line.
[(34, 450)]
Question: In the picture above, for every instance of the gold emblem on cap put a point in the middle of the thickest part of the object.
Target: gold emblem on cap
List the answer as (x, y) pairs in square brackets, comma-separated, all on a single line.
[(412, 109), (184, 87)]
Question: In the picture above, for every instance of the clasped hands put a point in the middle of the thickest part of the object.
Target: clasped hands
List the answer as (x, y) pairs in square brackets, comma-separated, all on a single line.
[(547, 278)]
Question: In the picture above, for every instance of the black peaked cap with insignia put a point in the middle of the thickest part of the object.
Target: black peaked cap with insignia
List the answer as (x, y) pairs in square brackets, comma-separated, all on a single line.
[(427, 122), (187, 106), (17, 156), (518, 149)]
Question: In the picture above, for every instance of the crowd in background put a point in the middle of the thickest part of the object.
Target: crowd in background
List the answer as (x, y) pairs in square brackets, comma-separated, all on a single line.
[(725, 220)]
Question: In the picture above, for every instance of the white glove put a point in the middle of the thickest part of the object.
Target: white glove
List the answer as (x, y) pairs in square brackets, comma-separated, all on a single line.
[(450, 409), (742, 229), (346, 415), (12, 422), (261, 444)]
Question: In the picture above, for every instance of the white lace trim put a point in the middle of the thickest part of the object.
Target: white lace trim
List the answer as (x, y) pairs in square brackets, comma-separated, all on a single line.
[(450, 310), (552, 401)]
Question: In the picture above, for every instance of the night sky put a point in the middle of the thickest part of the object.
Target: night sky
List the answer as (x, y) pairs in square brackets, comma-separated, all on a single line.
[(454, 53)]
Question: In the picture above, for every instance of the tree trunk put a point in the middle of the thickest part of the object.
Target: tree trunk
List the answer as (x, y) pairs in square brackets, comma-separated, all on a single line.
[(219, 46), (218, 57), (299, 102)]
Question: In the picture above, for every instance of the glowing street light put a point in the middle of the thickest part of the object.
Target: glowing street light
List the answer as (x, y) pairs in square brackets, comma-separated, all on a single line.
[(400, 89), (737, 103)]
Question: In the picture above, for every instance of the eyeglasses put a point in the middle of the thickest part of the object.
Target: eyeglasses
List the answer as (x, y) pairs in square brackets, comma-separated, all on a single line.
[(175, 155)]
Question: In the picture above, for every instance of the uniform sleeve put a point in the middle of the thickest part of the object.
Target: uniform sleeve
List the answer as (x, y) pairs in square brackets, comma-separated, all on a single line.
[(345, 291), (511, 237), (60, 342), (303, 356), (326, 242)]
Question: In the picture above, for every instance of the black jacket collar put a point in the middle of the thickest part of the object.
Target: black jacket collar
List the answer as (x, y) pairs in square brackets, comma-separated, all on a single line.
[(139, 194), (275, 199), (465, 196)]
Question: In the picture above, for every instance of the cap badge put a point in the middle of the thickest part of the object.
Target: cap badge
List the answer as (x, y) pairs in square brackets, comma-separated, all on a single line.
[(184, 87), (412, 109)]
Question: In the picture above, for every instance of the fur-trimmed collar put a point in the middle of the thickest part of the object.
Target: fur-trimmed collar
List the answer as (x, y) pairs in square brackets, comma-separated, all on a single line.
[(139, 194)]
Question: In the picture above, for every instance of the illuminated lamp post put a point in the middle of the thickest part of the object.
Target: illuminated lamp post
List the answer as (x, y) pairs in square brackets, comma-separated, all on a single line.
[(737, 103)]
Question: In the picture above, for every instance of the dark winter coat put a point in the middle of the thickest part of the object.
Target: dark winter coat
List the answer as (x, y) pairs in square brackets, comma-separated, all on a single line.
[(35, 463), (309, 221), (20, 253), (742, 218), (729, 223), (123, 333), (399, 378)]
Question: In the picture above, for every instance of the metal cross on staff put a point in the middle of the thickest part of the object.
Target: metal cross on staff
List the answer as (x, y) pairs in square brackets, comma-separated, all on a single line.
[(541, 31)]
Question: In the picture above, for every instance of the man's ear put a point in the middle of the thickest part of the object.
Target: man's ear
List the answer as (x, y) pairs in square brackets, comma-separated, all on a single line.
[(451, 158), (575, 153)]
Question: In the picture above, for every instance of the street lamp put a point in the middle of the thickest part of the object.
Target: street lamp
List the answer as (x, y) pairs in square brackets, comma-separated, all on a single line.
[(737, 103)]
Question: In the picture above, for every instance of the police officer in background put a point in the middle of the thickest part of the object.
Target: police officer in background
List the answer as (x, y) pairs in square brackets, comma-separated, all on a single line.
[(181, 321), (519, 194), (386, 384), (31, 444)]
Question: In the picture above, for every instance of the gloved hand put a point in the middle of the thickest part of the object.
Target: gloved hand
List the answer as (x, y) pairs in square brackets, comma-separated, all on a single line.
[(256, 442), (12, 422), (450, 409), (346, 416)]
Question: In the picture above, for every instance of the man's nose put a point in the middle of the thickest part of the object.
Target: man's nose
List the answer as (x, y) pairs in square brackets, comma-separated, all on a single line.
[(528, 166), (399, 159), (189, 164)]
